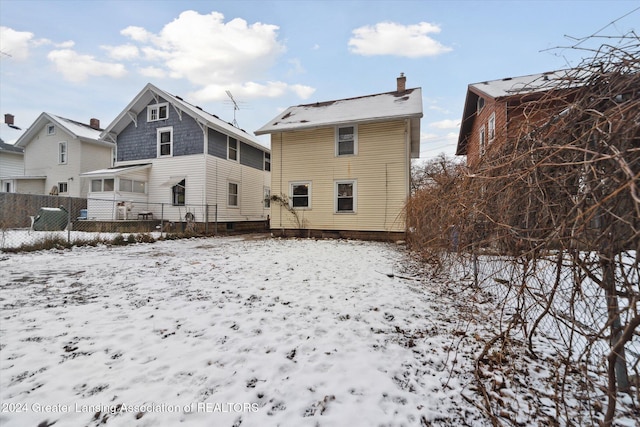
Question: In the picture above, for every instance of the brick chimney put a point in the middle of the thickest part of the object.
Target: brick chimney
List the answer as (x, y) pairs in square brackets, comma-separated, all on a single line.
[(402, 83), (8, 119), (94, 123)]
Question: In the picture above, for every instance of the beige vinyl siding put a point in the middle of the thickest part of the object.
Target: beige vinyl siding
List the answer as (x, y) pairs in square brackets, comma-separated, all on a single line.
[(380, 168)]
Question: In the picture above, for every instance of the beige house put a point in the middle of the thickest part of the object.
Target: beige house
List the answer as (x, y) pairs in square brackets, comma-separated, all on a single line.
[(342, 168), (56, 152)]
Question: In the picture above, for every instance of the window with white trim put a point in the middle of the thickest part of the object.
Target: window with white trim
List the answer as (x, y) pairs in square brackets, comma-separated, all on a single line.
[(346, 141), (267, 162), (98, 185), (178, 193), (232, 149), (165, 141), (480, 105), (267, 197), (51, 129), (131, 186), (492, 126), (300, 195), (63, 187), (157, 112), (233, 194), (482, 141), (345, 192), (62, 152)]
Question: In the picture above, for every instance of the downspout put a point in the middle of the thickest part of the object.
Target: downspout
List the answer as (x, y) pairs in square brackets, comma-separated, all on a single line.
[(281, 168), (407, 180), (205, 150)]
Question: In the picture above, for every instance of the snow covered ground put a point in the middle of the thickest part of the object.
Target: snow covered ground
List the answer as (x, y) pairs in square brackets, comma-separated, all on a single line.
[(232, 331)]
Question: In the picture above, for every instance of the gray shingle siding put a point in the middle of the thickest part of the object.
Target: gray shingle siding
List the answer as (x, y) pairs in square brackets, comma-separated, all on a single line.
[(139, 143), (251, 156), (217, 144)]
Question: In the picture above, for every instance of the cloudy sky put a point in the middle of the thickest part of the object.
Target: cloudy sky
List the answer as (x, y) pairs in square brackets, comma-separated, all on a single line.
[(84, 59)]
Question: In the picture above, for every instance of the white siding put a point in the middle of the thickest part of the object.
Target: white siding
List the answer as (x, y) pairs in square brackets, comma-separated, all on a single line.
[(11, 164), (251, 183), (41, 159)]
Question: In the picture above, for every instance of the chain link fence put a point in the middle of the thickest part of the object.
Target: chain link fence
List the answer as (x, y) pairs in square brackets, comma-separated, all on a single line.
[(27, 220)]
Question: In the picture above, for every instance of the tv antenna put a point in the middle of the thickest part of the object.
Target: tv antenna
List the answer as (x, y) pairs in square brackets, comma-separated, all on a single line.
[(235, 108)]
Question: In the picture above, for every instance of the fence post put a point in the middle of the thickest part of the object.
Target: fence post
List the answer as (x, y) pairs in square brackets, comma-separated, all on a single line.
[(206, 220), (69, 219), (161, 219)]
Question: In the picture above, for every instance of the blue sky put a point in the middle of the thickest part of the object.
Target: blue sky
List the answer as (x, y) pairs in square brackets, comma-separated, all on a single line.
[(84, 59)]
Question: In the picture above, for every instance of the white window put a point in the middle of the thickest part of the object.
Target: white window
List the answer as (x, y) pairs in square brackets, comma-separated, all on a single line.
[(492, 127), (232, 151), (345, 192), (233, 194), (300, 196), (178, 193), (62, 152), (165, 142), (98, 185), (157, 112), (51, 129), (267, 161), (267, 197), (131, 186), (482, 141), (480, 104), (346, 141), (62, 187)]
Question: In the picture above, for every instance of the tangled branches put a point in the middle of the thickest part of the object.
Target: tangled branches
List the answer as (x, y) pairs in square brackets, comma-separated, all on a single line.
[(551, 218)]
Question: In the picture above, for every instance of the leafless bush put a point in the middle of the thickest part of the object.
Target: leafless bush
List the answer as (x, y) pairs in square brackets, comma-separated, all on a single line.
[(551, 219)]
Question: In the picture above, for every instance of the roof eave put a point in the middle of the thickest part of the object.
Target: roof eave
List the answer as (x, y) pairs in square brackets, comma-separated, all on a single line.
[(269, 130)]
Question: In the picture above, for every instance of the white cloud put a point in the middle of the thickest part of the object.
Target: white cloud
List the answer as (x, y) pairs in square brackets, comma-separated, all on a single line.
[(445, 124), (215, 55), (390, 38), (250, 90), (122, 52), (153, 72), (138, 34), (78, 68), (15, 43)]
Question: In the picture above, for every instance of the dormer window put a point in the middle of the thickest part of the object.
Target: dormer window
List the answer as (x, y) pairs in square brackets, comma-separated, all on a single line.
[(157, 112)]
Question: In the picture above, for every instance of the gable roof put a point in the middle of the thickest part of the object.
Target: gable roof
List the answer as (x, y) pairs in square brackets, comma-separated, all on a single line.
[(503, 89), (75, 129), (364, 109), (151, 92)]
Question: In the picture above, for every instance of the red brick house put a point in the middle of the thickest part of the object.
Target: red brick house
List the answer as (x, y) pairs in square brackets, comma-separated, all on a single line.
[(494, 111)]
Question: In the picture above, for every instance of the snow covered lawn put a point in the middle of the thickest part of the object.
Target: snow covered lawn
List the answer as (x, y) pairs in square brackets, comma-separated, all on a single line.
[(228, 332)]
